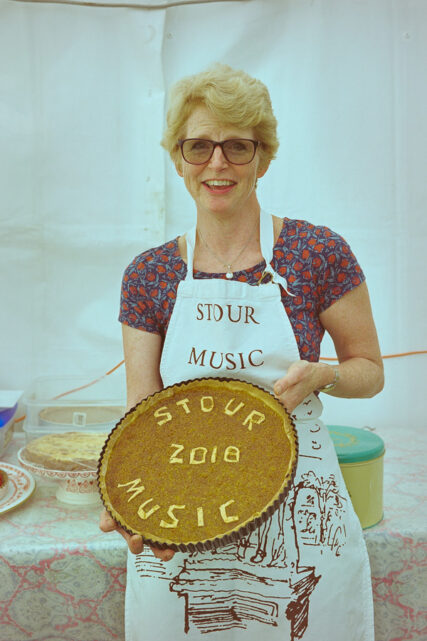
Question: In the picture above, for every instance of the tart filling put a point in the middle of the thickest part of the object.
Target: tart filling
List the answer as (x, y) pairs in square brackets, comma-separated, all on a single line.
[(198, 464)]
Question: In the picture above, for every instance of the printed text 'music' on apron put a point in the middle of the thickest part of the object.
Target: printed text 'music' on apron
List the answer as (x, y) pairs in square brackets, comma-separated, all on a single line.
[(304, 574)]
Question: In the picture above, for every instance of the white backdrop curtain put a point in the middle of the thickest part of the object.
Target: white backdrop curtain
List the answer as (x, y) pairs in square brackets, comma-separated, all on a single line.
[(85, 185)]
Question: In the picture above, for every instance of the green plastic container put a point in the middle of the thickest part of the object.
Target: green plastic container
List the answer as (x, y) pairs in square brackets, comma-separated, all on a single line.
[(361, 458)]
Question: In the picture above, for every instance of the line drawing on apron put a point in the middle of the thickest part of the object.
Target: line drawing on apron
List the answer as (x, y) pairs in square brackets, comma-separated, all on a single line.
[(273, 580)]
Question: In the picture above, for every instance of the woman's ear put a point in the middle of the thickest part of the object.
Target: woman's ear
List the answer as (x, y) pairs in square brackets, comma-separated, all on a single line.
[(262, 168), (178, 167)]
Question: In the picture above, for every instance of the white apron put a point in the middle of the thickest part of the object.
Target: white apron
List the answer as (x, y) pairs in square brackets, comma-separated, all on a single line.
[(304, 574)]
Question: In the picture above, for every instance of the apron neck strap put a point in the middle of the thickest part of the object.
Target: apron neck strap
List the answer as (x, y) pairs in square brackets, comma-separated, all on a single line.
[(190, 237), (266, 236), (266, 232)]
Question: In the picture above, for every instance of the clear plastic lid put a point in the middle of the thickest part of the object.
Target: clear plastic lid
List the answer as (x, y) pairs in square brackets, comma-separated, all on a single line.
[(73, 403)]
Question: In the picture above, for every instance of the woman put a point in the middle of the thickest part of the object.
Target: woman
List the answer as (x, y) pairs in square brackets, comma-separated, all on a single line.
[(304, 573)]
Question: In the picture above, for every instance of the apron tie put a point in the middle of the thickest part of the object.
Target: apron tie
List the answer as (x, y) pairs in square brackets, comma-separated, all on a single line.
[(276, 278), (267, 246)]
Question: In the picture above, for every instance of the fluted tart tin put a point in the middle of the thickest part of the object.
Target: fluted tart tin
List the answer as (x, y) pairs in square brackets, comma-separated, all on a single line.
[(199, 464)]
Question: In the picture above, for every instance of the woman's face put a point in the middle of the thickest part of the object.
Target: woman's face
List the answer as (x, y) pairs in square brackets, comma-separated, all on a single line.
[(219, 187)]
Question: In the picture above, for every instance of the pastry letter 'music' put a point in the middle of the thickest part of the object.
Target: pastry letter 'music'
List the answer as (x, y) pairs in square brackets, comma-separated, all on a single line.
[(223, 511), (174, 521)]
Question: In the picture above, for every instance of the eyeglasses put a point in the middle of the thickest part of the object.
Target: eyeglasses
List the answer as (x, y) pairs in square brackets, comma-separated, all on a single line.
[(238, 151)]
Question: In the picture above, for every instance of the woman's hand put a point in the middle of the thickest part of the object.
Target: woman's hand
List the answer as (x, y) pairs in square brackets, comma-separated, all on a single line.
[(134, 541), (301, 379), (361, 374)]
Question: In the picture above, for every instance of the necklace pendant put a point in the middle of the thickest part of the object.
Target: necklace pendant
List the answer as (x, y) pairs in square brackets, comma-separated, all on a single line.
[(229, 273)]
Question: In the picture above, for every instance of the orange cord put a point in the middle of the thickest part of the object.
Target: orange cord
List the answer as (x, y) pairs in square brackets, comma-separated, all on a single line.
[(77, 389), (322, 358), (422, 351)]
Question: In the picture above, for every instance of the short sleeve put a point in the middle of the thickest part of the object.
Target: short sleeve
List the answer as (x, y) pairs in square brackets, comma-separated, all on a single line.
[(138, 295), (341, 271), (149, 288)]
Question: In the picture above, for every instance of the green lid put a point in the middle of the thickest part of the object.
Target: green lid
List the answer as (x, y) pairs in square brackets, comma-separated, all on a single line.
[(353, 444)]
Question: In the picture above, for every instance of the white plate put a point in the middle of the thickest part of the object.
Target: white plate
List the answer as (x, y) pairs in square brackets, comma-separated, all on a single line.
[(20, 488)]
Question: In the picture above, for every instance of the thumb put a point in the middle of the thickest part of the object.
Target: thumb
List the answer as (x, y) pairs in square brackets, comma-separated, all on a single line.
[(295, 373)]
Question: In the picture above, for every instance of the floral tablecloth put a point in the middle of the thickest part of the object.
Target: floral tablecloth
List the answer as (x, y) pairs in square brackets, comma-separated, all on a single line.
[(61, 579)]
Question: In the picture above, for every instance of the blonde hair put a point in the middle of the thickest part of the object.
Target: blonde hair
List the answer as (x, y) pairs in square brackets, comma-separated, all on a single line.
[(233, 96)]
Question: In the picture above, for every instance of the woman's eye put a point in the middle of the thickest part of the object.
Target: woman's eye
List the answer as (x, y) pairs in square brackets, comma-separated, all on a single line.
[(238, 145), (200, 145)]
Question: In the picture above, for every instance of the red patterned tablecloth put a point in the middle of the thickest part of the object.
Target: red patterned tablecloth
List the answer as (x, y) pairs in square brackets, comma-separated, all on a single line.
[(61, 579)]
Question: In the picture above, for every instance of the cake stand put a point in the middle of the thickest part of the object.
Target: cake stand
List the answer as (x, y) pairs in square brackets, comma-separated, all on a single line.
[(78, 487)]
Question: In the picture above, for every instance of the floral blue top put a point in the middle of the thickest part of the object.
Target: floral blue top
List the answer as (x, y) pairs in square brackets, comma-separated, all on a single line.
[(317, 263)]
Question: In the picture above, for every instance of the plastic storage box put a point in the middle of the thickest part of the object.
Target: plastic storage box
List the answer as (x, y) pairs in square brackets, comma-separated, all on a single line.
[(69, 403), (361, 458)]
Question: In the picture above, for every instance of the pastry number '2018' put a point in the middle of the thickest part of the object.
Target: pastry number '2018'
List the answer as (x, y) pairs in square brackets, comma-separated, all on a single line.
[(199, 455)]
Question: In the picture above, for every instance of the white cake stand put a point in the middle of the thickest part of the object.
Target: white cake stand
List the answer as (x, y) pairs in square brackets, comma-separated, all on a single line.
[(78, 487)]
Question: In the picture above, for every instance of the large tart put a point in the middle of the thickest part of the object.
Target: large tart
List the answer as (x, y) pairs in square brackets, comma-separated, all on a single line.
[(68, 451), (198, 464)]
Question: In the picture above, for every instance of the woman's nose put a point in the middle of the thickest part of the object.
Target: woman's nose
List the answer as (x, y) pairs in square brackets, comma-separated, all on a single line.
[(218, 159)]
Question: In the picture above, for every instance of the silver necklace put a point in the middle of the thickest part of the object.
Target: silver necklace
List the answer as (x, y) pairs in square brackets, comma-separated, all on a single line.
[(228, 266)]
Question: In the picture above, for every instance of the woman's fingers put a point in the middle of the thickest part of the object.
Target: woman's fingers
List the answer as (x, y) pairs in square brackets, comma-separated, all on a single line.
[(164, 555), (302, 378), (135, 541), (106, 522), (296, 373)]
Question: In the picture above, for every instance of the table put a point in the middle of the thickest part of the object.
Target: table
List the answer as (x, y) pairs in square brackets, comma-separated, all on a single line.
[(62, 579)]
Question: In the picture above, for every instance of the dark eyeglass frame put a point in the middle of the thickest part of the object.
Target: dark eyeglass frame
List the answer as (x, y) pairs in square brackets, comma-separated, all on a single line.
[(221, 144)]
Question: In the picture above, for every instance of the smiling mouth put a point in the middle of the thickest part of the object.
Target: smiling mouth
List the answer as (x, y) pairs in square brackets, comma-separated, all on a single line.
[(219, 185)]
